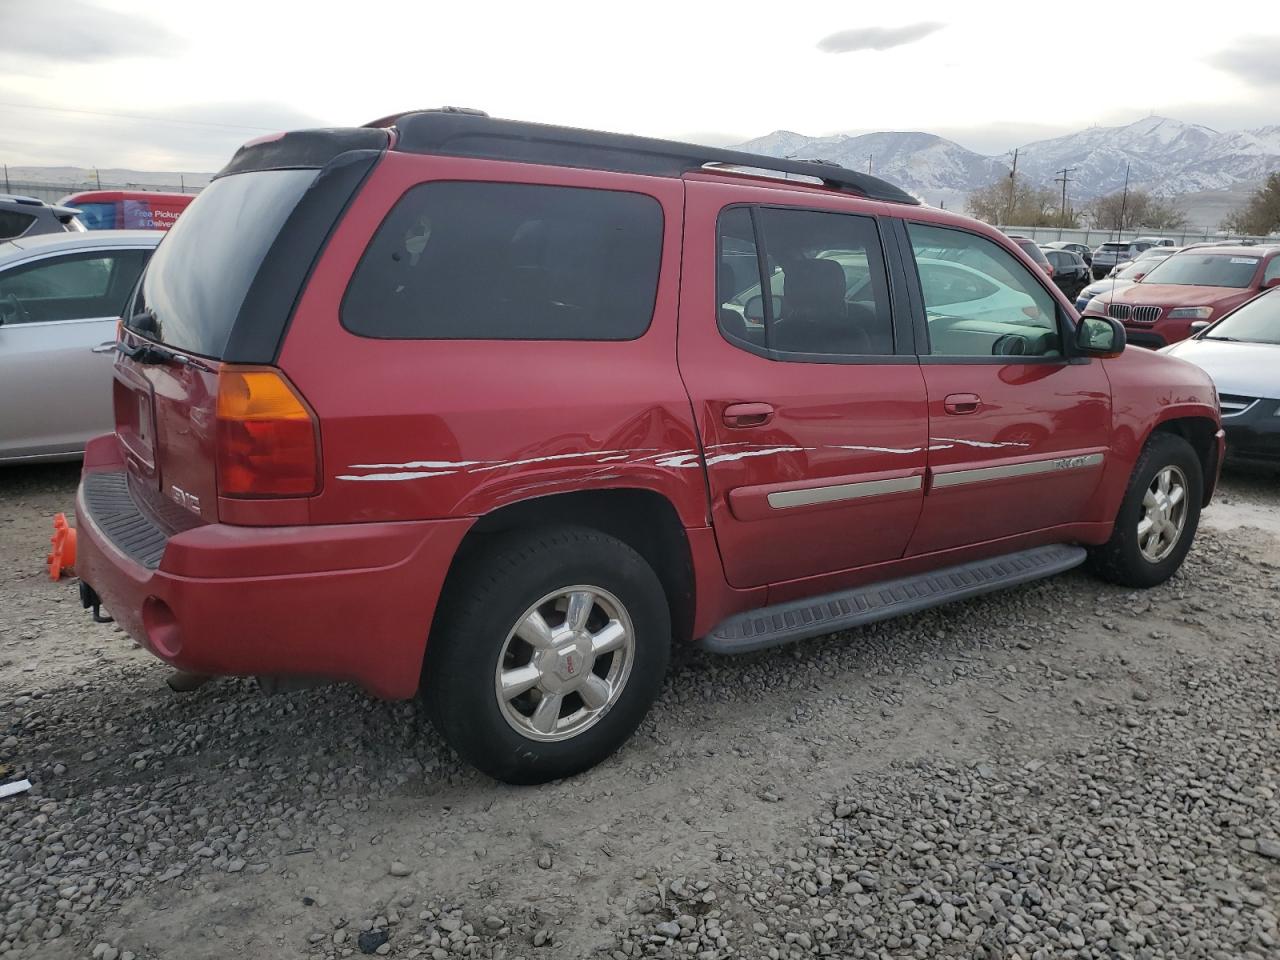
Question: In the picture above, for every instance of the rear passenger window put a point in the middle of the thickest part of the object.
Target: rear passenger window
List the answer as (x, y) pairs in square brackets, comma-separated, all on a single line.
[(825, 290), (980, 300), (505, 261), (13, 224)]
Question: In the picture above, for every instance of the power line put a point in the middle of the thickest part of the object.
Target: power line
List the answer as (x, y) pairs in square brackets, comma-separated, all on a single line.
[(132, 116)]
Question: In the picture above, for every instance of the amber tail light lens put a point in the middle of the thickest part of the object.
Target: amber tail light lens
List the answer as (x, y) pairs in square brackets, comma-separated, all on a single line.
[(267, 440)]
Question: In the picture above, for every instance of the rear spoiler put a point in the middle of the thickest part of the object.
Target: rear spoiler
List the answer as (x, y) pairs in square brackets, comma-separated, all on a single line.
[(303, 149), (65, 214)]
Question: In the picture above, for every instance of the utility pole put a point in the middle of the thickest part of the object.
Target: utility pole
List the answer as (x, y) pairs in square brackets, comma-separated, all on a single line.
[(1013, 186), (1064, 178), (1124, 201), (97, 177), (6, 179)]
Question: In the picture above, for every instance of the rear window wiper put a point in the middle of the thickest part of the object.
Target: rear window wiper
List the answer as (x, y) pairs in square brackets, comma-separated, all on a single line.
[(1227, 339), (151, 353)]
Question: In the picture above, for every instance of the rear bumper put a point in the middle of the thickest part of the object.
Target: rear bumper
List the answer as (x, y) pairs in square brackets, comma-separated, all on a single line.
[(346, 601)]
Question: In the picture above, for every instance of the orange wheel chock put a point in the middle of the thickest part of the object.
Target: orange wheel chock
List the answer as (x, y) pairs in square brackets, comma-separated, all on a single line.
[(62, 559)]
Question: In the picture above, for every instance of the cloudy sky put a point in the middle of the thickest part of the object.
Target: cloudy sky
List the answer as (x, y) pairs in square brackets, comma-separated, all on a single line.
[(167, 84)]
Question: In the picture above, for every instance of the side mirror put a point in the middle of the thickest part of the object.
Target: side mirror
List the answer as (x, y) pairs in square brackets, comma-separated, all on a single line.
[(1100, 337), (1137, 277), (1198, 325), (753, 310)]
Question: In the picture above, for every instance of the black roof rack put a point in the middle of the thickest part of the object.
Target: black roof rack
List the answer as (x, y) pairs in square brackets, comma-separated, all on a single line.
[(458, 133)]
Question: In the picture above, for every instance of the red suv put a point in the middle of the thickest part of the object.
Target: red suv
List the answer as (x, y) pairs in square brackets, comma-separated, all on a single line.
[(502, 409), (1189, 290)]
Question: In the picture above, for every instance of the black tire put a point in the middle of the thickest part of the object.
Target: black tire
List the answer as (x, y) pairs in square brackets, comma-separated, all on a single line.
[(487, 598), (1121, 560)]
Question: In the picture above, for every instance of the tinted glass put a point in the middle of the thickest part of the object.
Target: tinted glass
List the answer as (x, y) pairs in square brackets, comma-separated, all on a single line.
[(14, 224), (97, 216), (200, 274), (1017, 317), (1032, 250), (76, 287), (508, 261), (1258, 321), (827, 284), (1205, 270)]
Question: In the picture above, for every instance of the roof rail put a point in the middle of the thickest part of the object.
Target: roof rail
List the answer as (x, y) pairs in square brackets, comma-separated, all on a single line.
[(455, 133)]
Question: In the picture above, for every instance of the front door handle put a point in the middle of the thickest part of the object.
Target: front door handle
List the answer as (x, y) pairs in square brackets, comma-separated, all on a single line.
[(747, 414), (104, 347), (959, 404)]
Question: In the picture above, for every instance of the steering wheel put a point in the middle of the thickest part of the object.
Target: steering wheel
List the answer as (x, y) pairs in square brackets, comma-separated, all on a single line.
[(12, 310)]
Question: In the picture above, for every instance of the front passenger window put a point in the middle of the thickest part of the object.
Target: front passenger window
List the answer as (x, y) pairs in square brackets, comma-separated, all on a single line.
[(981, 301)]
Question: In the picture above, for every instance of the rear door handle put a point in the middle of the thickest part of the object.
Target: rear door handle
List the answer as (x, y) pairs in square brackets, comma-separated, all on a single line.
[(104, 347), (747, 414), (959, 404)]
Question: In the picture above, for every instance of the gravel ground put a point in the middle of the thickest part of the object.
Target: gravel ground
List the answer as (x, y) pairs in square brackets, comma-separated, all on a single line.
[(1064, 770)]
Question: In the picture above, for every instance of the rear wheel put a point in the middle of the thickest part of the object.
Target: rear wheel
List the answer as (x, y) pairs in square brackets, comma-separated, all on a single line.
[(1158, 518), (548, 654)]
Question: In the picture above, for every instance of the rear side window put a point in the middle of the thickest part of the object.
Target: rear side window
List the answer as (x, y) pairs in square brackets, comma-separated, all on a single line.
[(198, 278), (77, 287), (14, 224), (825, 292), (509, 261)]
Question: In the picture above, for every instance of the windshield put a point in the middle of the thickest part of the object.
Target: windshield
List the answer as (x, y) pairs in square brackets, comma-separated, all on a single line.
[(198, 278), (1205, 270), (1258, 321), (1139, 267), (98, 216)]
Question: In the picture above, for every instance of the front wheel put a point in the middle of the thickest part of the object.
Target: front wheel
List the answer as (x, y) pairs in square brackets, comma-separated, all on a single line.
[(1158, 517), (548, 654)]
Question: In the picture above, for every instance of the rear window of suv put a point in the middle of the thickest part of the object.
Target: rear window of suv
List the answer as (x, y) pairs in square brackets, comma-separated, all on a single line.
[(507, 261), (197, 280)]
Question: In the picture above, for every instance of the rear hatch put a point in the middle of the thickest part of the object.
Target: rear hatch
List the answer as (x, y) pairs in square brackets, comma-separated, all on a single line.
[(214, 304)]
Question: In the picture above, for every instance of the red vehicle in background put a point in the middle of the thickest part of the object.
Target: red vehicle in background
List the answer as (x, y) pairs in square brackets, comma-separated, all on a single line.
[(1188, 291), (128, 209)]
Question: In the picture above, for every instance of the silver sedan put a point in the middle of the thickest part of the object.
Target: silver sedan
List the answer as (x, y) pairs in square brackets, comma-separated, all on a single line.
[(60, 297)]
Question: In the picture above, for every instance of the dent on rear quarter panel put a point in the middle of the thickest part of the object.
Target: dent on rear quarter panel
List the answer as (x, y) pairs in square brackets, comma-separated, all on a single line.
[(418, 429)]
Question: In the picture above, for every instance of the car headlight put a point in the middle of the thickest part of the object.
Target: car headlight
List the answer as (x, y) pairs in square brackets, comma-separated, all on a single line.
[(1096, 305), (1191, 313)]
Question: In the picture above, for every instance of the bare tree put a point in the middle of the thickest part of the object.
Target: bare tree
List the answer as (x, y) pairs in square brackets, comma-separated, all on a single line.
[(1020, 203), (1139, 209)]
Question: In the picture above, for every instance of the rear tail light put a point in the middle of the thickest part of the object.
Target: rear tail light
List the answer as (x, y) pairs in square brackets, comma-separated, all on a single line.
[(267, 437), (1048, 268)]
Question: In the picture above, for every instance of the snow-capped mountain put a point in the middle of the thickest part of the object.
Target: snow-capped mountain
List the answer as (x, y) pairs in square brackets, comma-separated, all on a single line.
[(933, 168), (1166, 156)]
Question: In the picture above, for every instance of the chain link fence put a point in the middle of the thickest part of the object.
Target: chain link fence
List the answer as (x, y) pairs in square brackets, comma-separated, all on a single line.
[(53, 192), (1094, 237)]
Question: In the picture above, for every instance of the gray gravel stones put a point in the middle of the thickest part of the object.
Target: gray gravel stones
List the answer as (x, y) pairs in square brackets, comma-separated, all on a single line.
[(794, 804)]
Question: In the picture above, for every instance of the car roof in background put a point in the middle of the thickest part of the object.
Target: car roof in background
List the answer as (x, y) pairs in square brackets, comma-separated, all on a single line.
[(1257, 251), (92, 240)]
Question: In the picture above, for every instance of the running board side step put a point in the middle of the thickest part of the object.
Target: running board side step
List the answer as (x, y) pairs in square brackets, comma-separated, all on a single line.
[(815, 616)]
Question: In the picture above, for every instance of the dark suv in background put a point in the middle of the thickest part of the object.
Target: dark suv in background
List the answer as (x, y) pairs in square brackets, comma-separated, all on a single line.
[(27, 216)]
